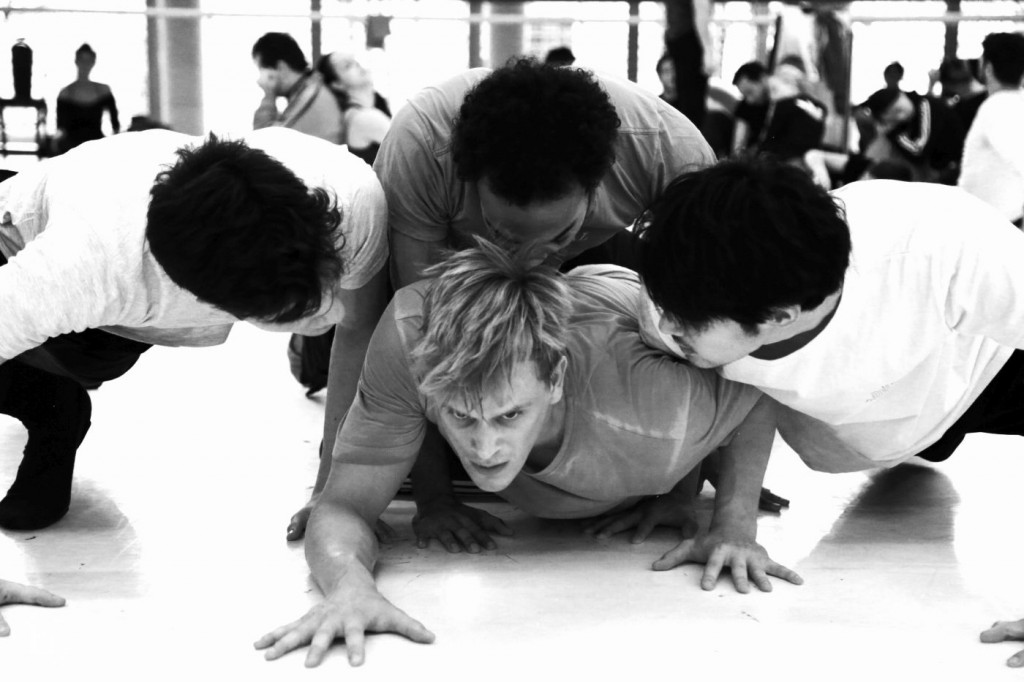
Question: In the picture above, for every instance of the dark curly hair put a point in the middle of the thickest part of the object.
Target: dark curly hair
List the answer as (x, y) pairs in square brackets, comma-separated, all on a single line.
[(741, 239), (243, 233), (534, 131)]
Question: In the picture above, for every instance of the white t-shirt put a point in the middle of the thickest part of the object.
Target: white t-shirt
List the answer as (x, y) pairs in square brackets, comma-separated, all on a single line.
[(932, 306), (73, 229), (993, 162)]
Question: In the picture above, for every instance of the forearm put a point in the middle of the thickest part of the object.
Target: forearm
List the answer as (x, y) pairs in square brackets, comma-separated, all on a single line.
[(341, 549), (347, 354), (739, 137), (266, 113), (742, 465)]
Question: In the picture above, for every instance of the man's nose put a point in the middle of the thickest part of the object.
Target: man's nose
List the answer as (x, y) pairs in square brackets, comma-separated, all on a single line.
[(484, 443)]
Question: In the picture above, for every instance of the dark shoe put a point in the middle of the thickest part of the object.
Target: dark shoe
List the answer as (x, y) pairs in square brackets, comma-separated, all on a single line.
[(56, 412)]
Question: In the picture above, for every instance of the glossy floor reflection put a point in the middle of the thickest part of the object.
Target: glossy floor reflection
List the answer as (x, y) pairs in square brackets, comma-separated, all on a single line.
[(173, 560)]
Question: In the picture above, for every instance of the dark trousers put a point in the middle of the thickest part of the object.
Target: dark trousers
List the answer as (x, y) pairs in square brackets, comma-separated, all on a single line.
[(999, 409), (49, 403)]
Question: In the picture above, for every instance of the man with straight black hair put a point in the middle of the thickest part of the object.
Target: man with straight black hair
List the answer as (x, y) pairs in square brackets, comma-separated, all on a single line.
[(887, 318), (172, 243)]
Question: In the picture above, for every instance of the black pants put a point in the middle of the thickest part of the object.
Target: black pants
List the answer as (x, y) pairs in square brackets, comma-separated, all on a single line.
[(45, 400), (999, 409)]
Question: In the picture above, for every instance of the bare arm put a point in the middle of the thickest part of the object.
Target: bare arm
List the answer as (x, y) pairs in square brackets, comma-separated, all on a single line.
[(266, 113), (363, 308), (409, 257), (731, 539), (342, 551), (739, 136), (374, 452)]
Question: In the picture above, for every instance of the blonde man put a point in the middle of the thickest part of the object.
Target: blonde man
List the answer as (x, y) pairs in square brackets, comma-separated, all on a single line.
[(549, 397)]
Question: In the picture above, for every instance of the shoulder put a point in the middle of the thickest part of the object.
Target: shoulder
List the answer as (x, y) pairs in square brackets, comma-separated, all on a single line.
[(433, 110), (652, 132), (605, 288), (317, 162), (639, 109), (406, 312), (888, 218), (631, 386)]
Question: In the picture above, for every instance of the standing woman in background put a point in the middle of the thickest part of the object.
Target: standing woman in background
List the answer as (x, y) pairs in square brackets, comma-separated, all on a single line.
[(81, 104)]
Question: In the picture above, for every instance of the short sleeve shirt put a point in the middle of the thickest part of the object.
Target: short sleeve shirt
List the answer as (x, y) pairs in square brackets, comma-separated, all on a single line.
[(637, 420), (427, 201)]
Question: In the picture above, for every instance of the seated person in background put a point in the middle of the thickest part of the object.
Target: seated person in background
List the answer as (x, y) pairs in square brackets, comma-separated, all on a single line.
[(284, 72), (544, 388), (80, 106), (961, 89), (752, 81), (835, 169), (560, 56), (921, 130), (795, 122), (993, 163), (366, 123), (886, 318), (177, 239)]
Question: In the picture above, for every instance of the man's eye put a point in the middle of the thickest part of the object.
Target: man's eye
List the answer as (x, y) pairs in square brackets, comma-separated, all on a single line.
[(511, 416), (681, 342), (458, 416)]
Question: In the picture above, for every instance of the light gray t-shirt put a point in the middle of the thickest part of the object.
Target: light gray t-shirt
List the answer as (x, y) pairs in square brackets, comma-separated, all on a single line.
[(637, 420), (427, 201), (73, 229)]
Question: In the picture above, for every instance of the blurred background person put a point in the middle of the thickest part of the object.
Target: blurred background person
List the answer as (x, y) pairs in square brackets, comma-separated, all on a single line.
[(993, 162), (560, 56), (366, 114), (751, 80), (81, 104), (893, 75), (961, 89), (284, 72), (920, 130)]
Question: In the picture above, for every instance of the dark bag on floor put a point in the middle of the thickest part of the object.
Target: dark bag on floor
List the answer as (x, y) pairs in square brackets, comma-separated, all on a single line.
[(309, 358)]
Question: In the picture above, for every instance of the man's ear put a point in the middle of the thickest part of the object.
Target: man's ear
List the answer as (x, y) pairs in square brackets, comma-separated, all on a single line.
[(784, 316), (558, 379)]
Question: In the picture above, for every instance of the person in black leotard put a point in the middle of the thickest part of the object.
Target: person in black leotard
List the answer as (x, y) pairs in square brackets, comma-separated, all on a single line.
[(81, 104)]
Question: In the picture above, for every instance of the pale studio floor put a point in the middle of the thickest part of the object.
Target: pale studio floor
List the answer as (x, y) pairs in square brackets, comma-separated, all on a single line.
[(173, 560)]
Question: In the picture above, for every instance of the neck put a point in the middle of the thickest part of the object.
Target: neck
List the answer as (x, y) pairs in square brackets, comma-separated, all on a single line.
[(550, 440), (999, 86), (363, 96), (802, 331)]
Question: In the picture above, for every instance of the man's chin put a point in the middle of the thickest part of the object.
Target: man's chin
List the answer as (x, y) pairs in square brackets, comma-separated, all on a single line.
[(489, 484)]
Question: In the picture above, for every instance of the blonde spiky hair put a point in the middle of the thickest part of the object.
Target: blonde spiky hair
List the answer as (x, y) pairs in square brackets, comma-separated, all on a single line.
[(486, 311)]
